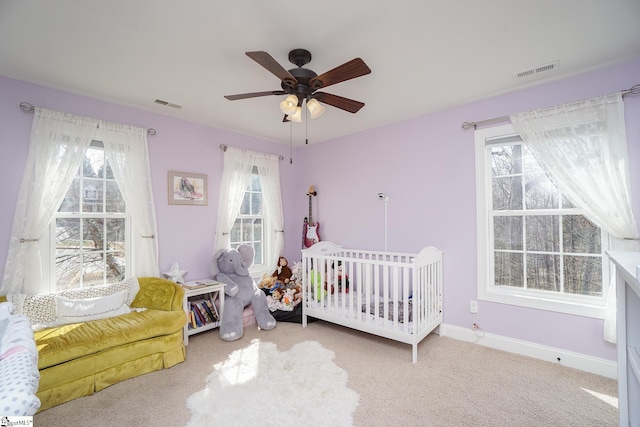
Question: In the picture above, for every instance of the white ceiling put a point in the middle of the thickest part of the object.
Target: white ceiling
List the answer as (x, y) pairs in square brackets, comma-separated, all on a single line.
[(425, 55)]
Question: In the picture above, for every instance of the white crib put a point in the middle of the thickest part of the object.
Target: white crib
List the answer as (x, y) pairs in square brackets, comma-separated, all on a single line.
[(389, 294)]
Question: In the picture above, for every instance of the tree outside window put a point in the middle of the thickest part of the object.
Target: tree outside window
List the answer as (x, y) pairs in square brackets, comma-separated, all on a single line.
[(248, 228), (90, 228), (535, 243)]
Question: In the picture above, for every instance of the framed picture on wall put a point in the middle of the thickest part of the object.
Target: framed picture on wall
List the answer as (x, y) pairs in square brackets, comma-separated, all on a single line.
[(187, 188)]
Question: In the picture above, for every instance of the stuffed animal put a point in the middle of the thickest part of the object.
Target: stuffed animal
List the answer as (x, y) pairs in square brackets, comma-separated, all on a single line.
[(287, 302), (296, 272), (175, 274), (267, 283), (231, 267), (277, 294), (340, 277), (273, 303), (298, 295), (283, 273), (316, 285)]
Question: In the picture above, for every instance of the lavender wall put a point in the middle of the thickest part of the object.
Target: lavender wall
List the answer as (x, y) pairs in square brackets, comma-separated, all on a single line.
[(186, 233), (426, 166)]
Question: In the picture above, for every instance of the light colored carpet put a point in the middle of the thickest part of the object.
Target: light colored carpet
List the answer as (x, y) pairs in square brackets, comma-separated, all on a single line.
[(297, 393), (454, 383)]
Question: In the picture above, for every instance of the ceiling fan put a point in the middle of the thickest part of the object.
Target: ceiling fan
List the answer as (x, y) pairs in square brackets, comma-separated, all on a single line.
[(303, 85)]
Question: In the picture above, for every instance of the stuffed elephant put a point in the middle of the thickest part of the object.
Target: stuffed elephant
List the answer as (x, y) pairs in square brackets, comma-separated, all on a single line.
[(231, 267)]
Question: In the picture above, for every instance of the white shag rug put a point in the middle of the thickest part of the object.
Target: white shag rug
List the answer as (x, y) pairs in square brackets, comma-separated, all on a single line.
[(258, 385)]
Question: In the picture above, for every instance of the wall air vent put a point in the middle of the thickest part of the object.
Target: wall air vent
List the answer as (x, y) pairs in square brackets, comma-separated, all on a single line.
[(167, 103), (537, 70)]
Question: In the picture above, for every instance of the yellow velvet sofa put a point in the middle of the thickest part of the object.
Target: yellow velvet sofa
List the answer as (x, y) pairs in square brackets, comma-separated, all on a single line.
[(78, 359)]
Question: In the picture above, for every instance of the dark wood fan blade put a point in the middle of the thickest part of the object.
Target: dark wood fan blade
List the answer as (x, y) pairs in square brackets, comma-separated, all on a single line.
[(345, 104), (347, 71), (267, 61), (254, 94)]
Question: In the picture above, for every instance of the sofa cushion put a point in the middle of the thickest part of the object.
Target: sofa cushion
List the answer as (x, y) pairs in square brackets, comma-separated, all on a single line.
[(68, 342), (154, 293), (41, 308)]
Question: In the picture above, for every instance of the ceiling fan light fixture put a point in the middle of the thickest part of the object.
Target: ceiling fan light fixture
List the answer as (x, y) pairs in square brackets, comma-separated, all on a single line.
[(289, 105), (315, 108), (297, 116)]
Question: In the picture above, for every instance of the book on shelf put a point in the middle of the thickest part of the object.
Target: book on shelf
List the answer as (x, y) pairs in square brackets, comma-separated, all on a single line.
[(202, 312), (197, 316), (213, 310), (192, 320)]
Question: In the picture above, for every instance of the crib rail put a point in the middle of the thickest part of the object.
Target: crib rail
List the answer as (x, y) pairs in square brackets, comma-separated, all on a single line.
[(392, 294)]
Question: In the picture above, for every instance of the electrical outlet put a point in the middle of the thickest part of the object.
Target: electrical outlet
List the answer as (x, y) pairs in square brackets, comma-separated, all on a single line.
[(473, 306)]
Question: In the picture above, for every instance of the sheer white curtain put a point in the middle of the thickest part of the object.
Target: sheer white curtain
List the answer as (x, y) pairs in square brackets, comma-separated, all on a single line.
[(127, 152), (236, 176), (269, 171), (583, 147), (56, 149)]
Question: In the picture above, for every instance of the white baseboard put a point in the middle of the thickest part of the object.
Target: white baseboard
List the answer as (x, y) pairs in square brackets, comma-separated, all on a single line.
[(594, 365)]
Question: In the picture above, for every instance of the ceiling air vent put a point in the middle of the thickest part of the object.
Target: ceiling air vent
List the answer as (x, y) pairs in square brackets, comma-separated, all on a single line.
[(167, 103), (537, 70)]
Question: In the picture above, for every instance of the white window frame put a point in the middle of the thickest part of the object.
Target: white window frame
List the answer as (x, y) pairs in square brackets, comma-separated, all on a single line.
[(257, 270), (589, 306), (47, 243)]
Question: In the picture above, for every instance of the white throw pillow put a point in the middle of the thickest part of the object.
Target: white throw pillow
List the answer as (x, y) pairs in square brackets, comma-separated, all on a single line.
[(82, 310), (41, 308)]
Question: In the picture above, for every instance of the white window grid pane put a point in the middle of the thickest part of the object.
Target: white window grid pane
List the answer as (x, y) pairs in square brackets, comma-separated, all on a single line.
[(530, 171), (248, 228), (92, 206)]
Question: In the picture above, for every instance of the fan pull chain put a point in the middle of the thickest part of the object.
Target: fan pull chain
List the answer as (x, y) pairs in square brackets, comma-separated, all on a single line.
[(306, 127), (290, 142)]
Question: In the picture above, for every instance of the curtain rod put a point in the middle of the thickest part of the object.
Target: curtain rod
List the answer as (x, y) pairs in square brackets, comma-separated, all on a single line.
[(634, 90), (25, 106), (224, 148)]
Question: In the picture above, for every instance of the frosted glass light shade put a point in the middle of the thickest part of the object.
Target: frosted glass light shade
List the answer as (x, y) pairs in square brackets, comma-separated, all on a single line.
[(297, 116), (315, 108), (289, 105)]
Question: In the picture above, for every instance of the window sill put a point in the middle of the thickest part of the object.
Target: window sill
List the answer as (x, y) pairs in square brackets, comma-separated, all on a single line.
[(596, 311), (258, 271)]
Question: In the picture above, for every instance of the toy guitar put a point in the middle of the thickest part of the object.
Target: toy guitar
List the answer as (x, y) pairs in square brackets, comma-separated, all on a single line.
[(310, 229)]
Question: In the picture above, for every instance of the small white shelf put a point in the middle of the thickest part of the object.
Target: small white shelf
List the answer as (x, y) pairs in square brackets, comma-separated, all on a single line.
[(197, 290)]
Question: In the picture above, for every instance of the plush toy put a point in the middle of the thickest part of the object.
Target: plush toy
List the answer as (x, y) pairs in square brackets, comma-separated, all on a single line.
[(316, 285), (175, 274), (287, 302), (283, 273), (231, 267), (296, 272), (340, 277), (267, 283), (272, 303), (276, 294)]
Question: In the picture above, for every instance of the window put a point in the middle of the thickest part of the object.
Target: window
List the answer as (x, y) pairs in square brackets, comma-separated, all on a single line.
[(89, 235), (535, 248), (248, 227), (52, 247), (250, 208)]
